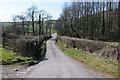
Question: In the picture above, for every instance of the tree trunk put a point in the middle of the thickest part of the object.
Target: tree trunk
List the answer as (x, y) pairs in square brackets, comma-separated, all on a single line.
[(119, 21), (103, 22), (33, 23), (39, 24)]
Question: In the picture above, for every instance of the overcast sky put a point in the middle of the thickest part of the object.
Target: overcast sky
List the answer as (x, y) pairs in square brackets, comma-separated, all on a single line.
[(11, 7)]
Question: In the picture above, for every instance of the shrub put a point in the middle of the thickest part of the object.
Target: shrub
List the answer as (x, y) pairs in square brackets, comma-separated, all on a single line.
[(100, 49), (25, 45)]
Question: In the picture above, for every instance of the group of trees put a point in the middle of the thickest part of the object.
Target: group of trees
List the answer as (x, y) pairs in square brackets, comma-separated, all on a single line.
[(32, 21), (26, 35), (92, 20)]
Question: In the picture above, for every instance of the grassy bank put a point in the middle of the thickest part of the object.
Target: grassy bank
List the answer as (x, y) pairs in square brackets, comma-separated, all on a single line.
[(102, 65), (113, 43), (11, 58), (43, 49), (7, 57)]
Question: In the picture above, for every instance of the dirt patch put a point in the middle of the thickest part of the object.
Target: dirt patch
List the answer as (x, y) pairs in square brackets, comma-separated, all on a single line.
[(10, 71)]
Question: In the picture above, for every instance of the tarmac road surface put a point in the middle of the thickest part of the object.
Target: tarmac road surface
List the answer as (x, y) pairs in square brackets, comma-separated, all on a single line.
[(58, 65)]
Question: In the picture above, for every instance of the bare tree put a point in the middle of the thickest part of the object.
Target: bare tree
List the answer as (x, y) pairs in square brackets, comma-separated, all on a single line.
[(118, 21), (94, 20), (22, 18), (14, 18), (31, 13)]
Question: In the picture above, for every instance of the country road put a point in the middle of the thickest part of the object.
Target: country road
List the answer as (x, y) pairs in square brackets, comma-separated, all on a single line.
[(58, 65)]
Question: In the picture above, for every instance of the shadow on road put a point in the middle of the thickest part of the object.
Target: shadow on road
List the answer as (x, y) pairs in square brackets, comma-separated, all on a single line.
[(44, 59)]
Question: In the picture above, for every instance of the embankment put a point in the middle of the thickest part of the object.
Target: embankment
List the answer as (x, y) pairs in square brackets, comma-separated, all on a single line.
[(97, 48), (27, 46)]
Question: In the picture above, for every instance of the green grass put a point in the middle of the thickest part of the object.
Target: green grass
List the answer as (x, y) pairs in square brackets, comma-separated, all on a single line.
[(53, 31), (11, 58), (113, 43), (31, 62), (102, 65), (7, 57)]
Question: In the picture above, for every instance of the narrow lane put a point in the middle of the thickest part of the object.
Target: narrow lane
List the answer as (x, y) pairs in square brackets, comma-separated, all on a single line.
[(58, 65)]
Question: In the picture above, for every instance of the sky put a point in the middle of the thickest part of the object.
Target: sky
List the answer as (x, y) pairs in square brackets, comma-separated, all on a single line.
[(13, 7)]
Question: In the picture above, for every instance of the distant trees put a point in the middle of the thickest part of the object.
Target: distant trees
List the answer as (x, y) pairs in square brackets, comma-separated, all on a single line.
[(32, 21), (14, 18), (92, 20), (48, 25), (31, 14), (119, 21), (22, 19)]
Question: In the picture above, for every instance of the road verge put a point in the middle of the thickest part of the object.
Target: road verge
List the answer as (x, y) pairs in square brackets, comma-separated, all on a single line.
[(96, 63)]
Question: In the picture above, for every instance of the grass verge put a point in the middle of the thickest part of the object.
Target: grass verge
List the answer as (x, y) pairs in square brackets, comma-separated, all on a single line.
[(102, 65), (10, 58), (113, 43), (7, 57)]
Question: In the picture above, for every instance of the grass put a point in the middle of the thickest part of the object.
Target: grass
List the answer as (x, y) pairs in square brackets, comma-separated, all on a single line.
[(31, 62), (10, 58), (7, 57), (102, 65), (43, 48), (53, 31), (113, 43)]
